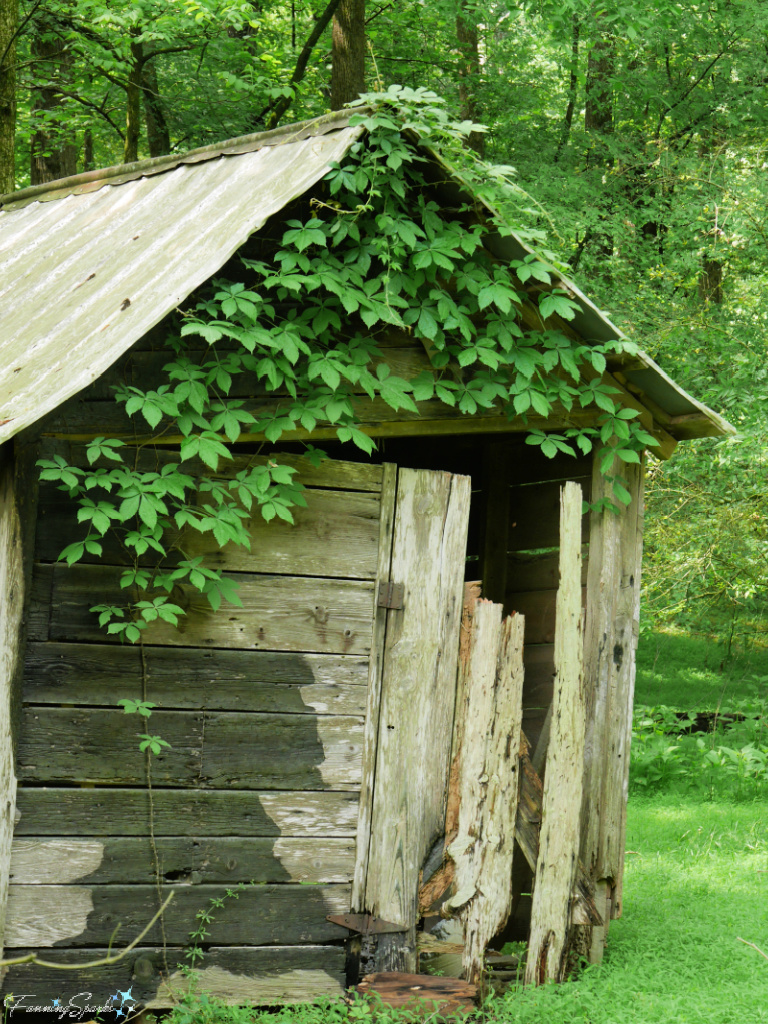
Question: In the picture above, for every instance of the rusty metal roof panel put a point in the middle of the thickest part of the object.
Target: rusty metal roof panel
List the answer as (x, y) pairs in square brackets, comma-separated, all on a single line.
[(86, 276)]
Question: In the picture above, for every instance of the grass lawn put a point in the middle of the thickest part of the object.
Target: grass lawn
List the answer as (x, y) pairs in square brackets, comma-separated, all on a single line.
[(695, 673), (697, 878)]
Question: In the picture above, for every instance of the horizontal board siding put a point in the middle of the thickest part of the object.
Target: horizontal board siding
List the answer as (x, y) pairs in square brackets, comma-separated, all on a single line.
[(535, 516), (280, 612), (207, 749), (182, 859), (264, 975), (101, 674), (536, 572), (78, 915), (103, 811), (336, 535)]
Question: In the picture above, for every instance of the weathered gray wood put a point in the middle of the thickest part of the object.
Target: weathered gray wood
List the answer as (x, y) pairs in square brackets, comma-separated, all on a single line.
[(85, 674), (279, 612), (335, 535), (208, 749), (101, 811), (613, 598), (488, 781), (80, 915), (238, 975), (557, 866), (417, 700), (222, 859), (375, 668), (12, 591)]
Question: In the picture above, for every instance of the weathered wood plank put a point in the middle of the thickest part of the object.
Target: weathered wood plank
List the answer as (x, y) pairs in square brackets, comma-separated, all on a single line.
[(222, 859), (85, 674), (557, 865), (537, 572), (45, 915), (12, 589), (336, 535), (488, 781), (375, 668), (238, 975), (329, 473), (105, 812), (417, 700), (208, 749), (535, 516), (613, 598), (282, 613)]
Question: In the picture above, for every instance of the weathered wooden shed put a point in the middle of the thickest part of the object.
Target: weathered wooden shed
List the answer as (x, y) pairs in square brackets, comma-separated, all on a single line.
[(334, 735)]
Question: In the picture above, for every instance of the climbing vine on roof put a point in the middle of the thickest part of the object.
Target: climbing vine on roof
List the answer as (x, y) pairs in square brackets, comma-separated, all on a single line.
[(373, 252)]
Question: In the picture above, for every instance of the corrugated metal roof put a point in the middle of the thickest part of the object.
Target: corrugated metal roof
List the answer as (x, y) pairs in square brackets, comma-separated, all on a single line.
[(83, 278), (86, 276)]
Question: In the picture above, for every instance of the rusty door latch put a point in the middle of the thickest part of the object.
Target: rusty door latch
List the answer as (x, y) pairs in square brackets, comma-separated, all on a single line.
[(390, 595)]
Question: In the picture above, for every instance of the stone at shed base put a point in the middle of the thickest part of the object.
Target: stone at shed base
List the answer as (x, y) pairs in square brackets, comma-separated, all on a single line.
[(421, 992)]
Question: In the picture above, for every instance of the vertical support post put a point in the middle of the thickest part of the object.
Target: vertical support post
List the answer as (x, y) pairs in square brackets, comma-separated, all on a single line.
[(417, 701), (557, 866), (613, 606)]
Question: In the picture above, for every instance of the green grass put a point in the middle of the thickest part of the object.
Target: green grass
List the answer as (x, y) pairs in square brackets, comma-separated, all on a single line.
[(696, 878), (696, 673)]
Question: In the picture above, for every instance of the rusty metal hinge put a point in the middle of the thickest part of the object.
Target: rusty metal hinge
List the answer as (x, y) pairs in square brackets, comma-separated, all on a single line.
[(365, 924), (390, 595)]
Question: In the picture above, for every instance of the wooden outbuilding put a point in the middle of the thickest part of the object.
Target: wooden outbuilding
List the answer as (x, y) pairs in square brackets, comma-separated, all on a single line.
[(365, 743)]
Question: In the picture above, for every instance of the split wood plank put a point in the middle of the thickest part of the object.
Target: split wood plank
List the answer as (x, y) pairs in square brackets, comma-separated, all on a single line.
[(417, 700), (488, 781), (237, 975), (221, 859), (336, 535), (557, 866), (208, 749), (375, 670), (284, 682), (41, 916), (101, 811), (279, 612), (612, 624)]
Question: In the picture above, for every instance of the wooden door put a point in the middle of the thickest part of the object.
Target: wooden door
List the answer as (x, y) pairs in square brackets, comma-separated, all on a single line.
[(412, 693)]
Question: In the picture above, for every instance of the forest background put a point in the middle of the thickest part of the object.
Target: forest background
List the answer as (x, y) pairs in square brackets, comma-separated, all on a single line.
[(638, 135)]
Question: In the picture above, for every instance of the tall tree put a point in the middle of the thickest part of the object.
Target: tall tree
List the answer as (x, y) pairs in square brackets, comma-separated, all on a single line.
[(348, 55), (53, 152), (469, 72), (9, 21)]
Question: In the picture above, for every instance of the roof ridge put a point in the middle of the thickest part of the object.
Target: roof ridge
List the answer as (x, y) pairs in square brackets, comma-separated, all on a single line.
[(61, 187)]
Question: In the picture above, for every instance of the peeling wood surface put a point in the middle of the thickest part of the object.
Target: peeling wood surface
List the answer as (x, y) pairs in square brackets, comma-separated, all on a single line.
[(43, 915), (488, 780), (417, 700), (103, 811), (280, 612), (557, 866), (613, 599), (266, 975), (266, 681), (375, 669), (223, 860), (208, 749)]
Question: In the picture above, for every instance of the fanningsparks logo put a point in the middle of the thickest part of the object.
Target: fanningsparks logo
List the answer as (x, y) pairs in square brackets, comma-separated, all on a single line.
[(121, 1004)]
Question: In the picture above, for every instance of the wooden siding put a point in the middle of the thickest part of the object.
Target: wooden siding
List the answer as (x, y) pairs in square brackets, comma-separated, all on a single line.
[(264, 707)]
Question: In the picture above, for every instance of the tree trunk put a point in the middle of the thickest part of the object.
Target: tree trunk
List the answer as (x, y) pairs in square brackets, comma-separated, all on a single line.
[(711, 281), (158, 137), (598, 118), (133, 104), (53, 153), (469, 74), (9, 19), (88, 161), (348, 59), (573, 85)]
